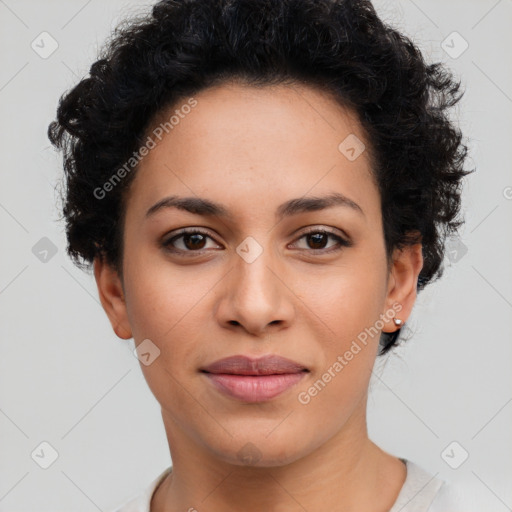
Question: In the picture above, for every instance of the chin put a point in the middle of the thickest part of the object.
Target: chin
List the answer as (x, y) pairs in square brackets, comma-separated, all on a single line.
[(258, 449)]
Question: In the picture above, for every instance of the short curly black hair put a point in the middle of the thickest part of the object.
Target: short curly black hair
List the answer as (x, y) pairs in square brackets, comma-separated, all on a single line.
[(341, 46)]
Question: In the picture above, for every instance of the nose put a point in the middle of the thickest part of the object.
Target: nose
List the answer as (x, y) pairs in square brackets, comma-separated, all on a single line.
[(256, 296)]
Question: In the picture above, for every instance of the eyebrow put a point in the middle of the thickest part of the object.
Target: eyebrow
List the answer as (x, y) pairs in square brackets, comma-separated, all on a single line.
[(208, 208)]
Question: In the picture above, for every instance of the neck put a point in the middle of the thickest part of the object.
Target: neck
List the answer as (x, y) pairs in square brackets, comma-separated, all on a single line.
[(348, 472)]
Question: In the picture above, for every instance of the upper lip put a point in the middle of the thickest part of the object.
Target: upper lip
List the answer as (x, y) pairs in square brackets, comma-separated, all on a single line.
[(244, 365)]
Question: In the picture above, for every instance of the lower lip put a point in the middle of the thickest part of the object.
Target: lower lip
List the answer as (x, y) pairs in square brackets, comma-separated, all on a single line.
[(254, 388)]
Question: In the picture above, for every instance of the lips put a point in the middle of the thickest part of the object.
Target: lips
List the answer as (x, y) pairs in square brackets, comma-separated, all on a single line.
[(254, 380), (243, 365)]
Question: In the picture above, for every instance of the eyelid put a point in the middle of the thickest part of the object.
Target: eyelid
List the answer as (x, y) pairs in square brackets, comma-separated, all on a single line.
[(314, 228), (166, 241), (344, 239)]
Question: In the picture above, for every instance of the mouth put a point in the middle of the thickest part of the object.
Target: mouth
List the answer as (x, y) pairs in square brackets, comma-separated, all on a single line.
[(254, 380)]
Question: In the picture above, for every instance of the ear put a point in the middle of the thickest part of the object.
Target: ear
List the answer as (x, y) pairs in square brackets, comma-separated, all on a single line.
[(402, 284), (111, 294)]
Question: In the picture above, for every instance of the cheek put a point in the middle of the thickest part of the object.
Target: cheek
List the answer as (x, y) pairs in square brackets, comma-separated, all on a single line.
[(349, 302), (162, 297), (349, 309), (348, 296), (170, 305), (163, 306)]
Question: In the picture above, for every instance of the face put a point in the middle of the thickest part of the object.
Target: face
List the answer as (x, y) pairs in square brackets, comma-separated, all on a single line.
[(261, 277)]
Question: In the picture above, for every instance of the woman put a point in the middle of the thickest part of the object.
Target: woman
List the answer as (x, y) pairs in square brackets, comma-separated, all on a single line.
[(262, 189)]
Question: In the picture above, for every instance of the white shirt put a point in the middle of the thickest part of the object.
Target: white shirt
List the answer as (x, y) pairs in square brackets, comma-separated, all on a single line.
[(421, 492)]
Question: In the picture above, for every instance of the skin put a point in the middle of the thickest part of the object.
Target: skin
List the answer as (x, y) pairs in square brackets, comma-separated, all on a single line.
[(240, 145)]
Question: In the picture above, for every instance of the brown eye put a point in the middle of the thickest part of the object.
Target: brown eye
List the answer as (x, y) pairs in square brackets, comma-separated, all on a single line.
[(194, 241), (316, 240), (187, 241)]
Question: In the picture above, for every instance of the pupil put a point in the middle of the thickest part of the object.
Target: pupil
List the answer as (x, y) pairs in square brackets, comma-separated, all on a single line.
[(317, 241), (197, 237)]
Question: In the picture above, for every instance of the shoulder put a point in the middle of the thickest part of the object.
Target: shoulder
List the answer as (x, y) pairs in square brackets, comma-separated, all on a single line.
[(419, 490), (424, 492), (142, 501), (463, 497)]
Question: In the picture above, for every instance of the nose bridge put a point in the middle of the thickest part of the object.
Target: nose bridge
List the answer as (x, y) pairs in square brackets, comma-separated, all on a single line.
[(254, 279), (256, 297)]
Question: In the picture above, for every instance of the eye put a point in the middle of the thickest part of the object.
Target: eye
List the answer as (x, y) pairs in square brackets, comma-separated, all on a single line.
[(317, 238), (193, 240)]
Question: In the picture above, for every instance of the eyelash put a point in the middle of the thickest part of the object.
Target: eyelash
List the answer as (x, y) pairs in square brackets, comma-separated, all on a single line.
[(167, 244)]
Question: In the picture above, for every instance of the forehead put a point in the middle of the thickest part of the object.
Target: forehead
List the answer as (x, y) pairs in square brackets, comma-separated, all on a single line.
[(242, 144)]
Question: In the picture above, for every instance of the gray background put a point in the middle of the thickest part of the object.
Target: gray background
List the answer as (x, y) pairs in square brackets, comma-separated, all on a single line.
[(66, 379)]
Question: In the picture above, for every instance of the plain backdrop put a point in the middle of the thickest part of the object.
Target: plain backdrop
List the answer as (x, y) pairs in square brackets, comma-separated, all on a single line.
[(443, 399)]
